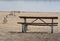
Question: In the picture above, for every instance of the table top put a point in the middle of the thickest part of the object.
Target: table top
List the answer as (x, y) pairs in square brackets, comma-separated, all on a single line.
[(38, 17)]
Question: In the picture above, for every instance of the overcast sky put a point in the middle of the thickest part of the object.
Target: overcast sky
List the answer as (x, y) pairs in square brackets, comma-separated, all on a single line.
[(36, 6)]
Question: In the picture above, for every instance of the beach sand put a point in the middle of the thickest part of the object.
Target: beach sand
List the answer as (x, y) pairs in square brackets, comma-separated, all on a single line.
[(10, 25)]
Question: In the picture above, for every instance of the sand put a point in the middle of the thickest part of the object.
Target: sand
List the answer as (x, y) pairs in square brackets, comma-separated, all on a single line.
[(30, 37), (10, 25)]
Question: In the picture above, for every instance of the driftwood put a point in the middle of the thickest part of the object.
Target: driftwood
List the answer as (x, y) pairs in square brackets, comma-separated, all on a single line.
[(12, 14), (5, 20)]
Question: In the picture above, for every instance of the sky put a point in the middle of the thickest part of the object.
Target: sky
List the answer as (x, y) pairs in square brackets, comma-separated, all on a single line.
[(33, 6)]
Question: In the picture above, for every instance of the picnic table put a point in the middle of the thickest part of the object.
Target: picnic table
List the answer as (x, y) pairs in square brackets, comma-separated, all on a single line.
[(25, 23)]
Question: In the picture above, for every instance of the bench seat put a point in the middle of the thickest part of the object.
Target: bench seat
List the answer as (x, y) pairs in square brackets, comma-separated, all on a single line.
[(39, 24)]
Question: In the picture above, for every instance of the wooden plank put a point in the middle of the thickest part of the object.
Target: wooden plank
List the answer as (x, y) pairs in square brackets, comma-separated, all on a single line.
[(35, 23), (39, 24), (38, 17), (42, 24)]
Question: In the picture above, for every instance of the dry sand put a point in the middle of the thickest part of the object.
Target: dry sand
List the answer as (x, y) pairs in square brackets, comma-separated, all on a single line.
[(30, 37), (12, 26)]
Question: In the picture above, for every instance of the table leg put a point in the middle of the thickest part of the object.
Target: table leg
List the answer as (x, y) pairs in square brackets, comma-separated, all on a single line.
[(24, 26), (52, 26)]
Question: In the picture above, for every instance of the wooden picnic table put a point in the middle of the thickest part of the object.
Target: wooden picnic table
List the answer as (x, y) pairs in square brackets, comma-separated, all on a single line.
[(25, 24)]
